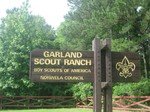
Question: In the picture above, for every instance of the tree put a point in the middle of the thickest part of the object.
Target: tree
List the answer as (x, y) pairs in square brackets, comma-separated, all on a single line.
[(127, 23), (21, 32)]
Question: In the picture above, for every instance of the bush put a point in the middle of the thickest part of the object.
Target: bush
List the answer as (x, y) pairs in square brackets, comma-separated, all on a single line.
[(81, 90), (132, 89)]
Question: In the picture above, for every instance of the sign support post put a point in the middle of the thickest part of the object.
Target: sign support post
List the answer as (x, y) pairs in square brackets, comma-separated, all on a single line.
[(97, 75), (108, 73)]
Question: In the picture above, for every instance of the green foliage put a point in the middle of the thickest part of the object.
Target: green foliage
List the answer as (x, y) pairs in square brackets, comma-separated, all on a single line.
[(144, 52), (132, 89), (126, 45), (21, 32), (127, 23), (67, 43), (82, 90)]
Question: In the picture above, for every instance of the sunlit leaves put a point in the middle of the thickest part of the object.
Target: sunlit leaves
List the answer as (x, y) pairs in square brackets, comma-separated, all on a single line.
[(20, 33)]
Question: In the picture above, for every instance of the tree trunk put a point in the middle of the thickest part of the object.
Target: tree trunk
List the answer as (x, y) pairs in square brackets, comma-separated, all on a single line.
[(145, 65)]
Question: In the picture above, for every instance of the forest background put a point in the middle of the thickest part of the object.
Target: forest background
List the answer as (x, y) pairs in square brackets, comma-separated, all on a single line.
[(126, 22)]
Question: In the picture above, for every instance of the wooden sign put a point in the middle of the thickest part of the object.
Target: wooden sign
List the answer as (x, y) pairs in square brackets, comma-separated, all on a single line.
[(125, 67), (100, 66), (61, 66), (77, 66)]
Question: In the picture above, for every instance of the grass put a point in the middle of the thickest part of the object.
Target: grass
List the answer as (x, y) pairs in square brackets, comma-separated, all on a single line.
[(54, 110), (50, 110)]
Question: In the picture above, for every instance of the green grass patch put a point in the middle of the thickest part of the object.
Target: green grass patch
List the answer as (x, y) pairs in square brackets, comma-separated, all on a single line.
[(50, 110), (57, 110)]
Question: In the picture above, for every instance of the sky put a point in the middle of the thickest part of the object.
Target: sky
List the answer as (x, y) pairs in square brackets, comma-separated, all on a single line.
[(52, 10)]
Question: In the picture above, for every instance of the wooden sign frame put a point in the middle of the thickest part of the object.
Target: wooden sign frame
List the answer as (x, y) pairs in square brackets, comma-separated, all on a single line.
[(100, 66)]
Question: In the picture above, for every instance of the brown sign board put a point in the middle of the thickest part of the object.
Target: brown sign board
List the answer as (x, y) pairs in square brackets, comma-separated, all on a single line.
[(61, 66), (78, 66), (125, 67)]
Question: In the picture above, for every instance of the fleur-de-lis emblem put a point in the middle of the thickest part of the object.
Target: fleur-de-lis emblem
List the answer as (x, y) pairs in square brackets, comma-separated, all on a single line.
[(125, 67)]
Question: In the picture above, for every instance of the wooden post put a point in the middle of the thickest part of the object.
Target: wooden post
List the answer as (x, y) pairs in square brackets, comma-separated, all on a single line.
[(108, 89), (97, 75)]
